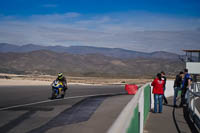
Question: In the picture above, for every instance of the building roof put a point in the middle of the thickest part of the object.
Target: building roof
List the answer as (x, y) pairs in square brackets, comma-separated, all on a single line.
[(196, 50)]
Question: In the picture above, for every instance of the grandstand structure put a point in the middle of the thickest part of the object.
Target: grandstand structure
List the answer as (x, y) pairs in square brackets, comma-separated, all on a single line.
[(192, 59)]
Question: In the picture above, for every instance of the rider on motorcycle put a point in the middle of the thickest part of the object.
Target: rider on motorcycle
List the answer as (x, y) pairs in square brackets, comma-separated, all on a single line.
[(62, 79)]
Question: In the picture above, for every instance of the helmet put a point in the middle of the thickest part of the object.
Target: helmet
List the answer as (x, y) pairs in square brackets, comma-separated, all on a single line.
[(60, 75)]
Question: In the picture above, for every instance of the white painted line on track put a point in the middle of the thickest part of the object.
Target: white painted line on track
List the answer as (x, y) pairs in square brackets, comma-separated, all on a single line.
[(46, 101)]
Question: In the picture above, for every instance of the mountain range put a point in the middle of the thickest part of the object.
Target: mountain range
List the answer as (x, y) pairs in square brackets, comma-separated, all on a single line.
[(83, 50), (85, 61)]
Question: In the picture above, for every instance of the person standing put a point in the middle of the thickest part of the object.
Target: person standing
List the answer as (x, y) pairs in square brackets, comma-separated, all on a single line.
[(158, 92), (185, 86), (165, 79), (177, 86)]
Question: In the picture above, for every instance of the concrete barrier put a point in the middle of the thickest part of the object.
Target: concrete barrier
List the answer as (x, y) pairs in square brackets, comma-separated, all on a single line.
[(134, 115)]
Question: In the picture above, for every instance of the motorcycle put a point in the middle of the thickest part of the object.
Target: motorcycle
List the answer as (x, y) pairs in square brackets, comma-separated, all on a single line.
[(58, 90)]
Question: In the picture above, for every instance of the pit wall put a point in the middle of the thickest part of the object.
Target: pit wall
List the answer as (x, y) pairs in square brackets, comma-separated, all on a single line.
[(133, 117)]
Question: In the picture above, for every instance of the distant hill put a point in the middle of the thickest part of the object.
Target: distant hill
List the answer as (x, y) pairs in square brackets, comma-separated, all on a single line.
[(49, 62), (84, 50)]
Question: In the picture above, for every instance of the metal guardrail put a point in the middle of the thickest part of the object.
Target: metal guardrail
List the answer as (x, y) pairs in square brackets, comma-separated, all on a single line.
[(193, 95), (196, 94)]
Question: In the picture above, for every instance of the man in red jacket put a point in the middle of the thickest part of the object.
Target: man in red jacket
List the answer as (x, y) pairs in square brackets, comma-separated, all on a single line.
[(158, 91)]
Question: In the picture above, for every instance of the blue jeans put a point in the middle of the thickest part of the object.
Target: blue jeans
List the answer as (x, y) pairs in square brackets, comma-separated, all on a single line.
[(158, 98), (176, 89)]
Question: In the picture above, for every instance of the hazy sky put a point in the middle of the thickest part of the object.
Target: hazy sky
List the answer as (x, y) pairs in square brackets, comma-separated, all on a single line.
[(141, 25)]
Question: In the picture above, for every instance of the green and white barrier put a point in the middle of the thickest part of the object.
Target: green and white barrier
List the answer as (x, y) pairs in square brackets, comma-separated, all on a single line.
[(133, 117)]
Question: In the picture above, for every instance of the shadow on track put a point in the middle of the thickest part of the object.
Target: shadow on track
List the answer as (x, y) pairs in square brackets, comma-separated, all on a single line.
[(79, 112), (14, 123)]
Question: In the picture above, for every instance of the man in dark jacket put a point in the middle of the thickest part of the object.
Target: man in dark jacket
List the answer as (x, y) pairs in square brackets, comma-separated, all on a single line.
[(185, 86), (177, 85), (164, 87), (62, 79)]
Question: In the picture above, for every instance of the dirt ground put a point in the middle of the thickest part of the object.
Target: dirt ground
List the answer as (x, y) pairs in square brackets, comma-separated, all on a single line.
[(13, 79)]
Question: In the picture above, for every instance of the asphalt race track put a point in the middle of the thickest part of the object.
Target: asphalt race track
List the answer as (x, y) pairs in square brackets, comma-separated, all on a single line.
[(27, 109)]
